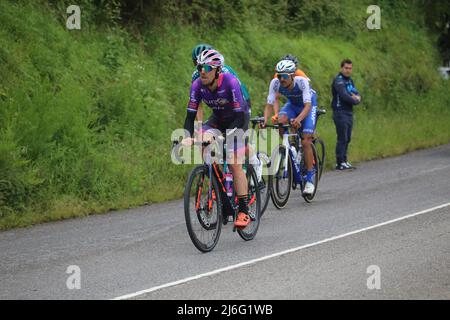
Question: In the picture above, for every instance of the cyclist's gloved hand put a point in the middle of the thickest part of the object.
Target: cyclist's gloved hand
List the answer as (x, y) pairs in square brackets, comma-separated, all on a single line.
[(208, 137), (187, 141), (275, 118), (262, 124), (296, 123)]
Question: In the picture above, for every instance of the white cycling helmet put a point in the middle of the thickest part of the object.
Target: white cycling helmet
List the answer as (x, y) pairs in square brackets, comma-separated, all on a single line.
[(285, 66), (211, 58)]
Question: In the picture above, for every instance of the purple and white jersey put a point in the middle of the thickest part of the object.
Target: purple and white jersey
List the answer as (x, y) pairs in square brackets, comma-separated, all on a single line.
[(225, 101)]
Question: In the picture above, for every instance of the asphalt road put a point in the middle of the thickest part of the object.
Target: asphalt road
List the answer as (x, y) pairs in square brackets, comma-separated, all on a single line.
[(336, 239)]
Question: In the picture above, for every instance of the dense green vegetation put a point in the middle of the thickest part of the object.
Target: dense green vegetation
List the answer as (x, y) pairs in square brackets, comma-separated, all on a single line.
[(86, 115)]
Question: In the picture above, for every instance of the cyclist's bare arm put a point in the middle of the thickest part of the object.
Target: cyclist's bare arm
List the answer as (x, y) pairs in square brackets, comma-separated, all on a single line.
[(276, 104), (271, 99), (200, 113), (268, 111)]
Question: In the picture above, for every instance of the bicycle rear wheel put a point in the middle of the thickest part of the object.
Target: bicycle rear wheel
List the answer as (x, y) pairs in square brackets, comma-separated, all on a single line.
[(203, 212), (254, 206), (282, 179), (320, 149)]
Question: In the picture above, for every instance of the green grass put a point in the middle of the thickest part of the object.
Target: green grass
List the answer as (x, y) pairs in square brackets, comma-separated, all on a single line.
[(86, 116)]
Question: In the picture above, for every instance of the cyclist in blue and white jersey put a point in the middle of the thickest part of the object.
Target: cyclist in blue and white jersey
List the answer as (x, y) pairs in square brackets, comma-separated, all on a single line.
[(300, 109)]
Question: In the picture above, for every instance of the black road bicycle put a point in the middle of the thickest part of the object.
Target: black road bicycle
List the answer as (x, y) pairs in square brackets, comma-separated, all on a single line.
[(208, 204)]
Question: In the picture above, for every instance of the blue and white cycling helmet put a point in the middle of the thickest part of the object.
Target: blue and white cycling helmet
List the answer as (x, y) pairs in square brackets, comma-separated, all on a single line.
[(285, 66)]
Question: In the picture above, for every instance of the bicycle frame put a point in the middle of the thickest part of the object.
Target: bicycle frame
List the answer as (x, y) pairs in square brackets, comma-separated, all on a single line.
[(297, 170), (298, 179), (228, 201)]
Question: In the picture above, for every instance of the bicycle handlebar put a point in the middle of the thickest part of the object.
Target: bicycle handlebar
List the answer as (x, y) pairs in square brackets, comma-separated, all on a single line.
[(197, 143), (256, 120)]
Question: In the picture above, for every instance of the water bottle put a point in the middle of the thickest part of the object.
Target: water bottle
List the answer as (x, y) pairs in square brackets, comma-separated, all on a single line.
[(297, 155), (228, 181), (298, 159), (294, 152)]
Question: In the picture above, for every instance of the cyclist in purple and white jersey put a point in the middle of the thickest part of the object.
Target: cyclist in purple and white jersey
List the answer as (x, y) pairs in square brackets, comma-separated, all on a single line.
[(222, 93)]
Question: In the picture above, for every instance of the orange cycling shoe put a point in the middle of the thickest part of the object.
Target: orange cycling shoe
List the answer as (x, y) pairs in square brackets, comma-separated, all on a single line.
[(242, 220)]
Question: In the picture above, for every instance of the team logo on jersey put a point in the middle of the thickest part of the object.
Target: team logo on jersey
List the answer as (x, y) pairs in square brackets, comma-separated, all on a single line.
[(218, 103), (222, 101)]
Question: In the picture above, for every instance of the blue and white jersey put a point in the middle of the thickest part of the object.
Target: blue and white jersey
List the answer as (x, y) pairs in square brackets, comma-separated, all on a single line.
[(299, 95)]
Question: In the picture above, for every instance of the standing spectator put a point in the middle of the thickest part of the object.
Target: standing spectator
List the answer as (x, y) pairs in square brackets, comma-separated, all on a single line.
[(345, 96)]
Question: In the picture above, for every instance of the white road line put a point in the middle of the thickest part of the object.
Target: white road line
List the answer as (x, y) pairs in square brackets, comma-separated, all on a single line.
[(246, 263)]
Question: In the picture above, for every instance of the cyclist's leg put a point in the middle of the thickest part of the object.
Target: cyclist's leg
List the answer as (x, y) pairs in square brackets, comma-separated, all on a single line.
[(241, 187), (287, 113), (208, 127), (209, 130), (308, 128), (249, 150), (235, 159)]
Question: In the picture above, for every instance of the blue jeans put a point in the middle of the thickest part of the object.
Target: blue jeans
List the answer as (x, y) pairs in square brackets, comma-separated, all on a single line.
[(344, 125)]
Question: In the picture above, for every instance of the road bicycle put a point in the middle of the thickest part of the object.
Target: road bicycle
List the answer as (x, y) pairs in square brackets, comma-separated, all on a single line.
[(290, 167), (210, 199)]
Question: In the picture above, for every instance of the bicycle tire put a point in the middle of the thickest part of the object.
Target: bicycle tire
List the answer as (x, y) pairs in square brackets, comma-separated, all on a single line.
[(265, 197), (321, 154), (280, 201), (201, 246)]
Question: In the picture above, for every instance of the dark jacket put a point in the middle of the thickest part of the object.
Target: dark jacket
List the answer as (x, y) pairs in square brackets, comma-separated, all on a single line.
[(342, 89)]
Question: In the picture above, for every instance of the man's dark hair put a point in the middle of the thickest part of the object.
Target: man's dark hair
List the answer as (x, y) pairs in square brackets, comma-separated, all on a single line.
[(346, 61)]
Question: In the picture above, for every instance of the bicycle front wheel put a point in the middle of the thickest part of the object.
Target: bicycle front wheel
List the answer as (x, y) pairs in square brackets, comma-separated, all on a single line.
[(282, 179), (202, 209)]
